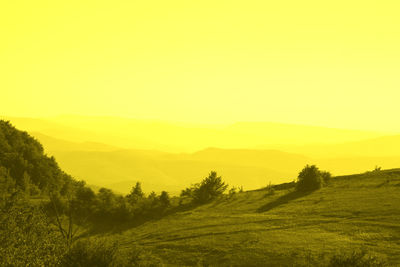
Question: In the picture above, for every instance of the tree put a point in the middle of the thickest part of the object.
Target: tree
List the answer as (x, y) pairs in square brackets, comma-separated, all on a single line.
[(136, 193), (311, 178), (165, 199), (326, 176), (63, 218), (209, 189), (70, 212)]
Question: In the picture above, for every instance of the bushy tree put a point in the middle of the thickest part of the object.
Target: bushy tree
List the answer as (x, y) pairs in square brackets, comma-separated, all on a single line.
[(91, 253), (326, 176), (210, 188), (311, 178)]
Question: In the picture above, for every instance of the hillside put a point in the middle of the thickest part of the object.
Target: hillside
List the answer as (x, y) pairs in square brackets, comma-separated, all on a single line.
[(259, 228), (24, 164)]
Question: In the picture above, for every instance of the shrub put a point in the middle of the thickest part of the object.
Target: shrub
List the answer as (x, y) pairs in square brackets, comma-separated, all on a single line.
[(377, 169), (356, 259), (232, 191), (137, 256), (106, 252), (311, 178), (326, 176), (91, 253), (270, 189)]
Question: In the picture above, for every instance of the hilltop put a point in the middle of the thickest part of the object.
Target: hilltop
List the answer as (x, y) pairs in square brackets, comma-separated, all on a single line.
[(280, 227)]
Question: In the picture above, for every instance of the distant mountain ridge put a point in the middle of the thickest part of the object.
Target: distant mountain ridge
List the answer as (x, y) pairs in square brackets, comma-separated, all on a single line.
[(179, 137), (85, 154), (54, 144)]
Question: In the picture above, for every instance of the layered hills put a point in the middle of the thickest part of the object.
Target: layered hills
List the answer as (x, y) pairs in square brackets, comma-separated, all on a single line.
[(118, 152)]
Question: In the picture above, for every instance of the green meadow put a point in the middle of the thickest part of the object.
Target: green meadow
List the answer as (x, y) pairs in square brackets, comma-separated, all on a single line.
[(272, 227)]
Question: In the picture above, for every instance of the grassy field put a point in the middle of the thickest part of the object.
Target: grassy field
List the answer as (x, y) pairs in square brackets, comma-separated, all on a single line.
[(281, 227)]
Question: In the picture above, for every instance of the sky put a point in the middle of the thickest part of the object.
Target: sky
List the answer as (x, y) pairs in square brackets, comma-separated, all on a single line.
[(328, 63)]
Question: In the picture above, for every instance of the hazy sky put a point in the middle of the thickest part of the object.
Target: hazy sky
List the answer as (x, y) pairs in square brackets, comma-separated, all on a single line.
[(332, 63)]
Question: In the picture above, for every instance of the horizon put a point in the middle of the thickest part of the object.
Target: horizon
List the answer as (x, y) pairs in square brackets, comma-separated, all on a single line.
[(116, 152), (196, 124)]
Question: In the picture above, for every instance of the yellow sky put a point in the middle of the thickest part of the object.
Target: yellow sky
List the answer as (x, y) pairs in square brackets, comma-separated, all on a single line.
[(332, 63)]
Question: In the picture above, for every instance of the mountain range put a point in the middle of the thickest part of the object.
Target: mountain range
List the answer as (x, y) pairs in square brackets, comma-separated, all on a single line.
[(117, 152)]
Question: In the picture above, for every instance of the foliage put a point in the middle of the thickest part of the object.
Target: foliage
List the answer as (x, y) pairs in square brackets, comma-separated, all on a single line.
[(311, 178), (165, 200), (209, 189), (137, 256), (377, 169), (27, 237), (23, 158), (91, 253), (98, 252), (7, 184), (270, 189), (136, 193), (232, 191), (326, 176)]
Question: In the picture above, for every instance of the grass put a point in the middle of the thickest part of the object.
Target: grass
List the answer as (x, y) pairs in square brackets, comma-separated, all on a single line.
[(283, 228)]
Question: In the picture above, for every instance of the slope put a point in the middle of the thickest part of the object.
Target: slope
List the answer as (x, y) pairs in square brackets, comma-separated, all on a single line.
[(260, 228), (24, 165)]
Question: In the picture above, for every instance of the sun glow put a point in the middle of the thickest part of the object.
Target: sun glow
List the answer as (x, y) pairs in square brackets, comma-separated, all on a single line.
[(307, 62)]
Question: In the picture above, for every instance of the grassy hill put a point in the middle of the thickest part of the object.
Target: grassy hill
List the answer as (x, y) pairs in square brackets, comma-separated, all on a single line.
[(281, 228)]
